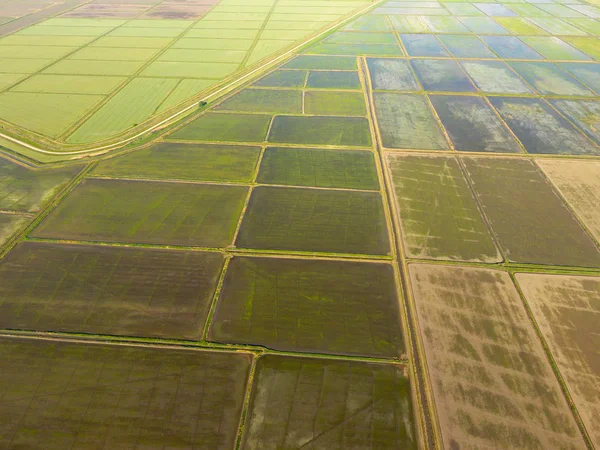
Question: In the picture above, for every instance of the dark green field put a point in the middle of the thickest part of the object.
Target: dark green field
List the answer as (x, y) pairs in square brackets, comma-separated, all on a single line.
[(59, 395), (107, 290), (351, 169), (311, 306), (314, 220), (147, 212), (323, 404), (174, 161)]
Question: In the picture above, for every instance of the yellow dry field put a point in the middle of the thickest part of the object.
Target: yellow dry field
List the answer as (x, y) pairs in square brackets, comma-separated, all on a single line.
[(567, 310), (492, 382), (579, 184)]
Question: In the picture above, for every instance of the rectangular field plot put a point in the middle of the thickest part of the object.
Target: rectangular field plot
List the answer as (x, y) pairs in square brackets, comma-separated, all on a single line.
[(438, 214), (147, 213), (315, 62), (547, 78), (330, 103), (10, 224), (407, 121), (57, 395), (583, 113), (333, 80), (174, 161), (317, 403), (352, 169), (284, 79), (473, 125), (350, 131), (314, 220), (567, 311), (46, 114), (495, 77), (264, 100), (579, 183), (310, 306), (491, 380), (27, 190), (531, 222), (392, 75), (70, 84), (132, 105), (107, 290), (225, 128), (541, 129)]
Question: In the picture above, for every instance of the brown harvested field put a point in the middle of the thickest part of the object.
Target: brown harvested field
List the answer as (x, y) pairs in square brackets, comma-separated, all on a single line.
[(492, 383), (567, 311), (173, 10), (58, 395), (112, 11), (579, 183), (531, 221)]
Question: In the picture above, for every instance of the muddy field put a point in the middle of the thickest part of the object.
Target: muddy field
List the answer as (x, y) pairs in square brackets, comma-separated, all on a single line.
[(567, 309), (579, 183), (492, 383)]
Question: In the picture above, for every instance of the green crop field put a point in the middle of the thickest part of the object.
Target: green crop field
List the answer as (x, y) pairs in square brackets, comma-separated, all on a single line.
[(346, 131), (173, 161), (302, 401), (156, 49), (147, 213), (352, 169), (439, 216), (331, 307), (162, 395), (313, 220), (299, 224), (265, 101), (105, 290), (226, 128)]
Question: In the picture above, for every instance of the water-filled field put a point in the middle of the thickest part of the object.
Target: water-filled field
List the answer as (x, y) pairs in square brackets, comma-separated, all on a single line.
[(300, 224)]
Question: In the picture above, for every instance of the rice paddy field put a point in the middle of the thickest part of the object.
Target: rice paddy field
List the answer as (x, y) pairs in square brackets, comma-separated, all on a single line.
[(300, 224)]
